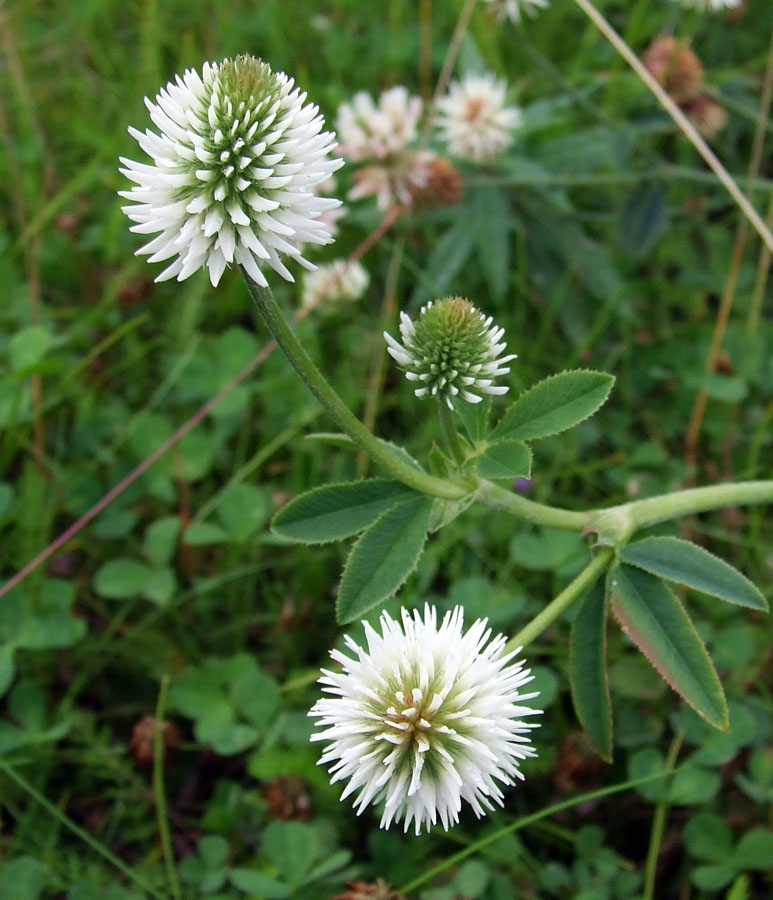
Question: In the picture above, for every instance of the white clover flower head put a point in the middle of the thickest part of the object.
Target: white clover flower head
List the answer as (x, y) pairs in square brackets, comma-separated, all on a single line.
[(710, 5), (396, 180), (473, 120), (334, 281), (236, 159), (370, 131), (453, 350), (425, 717), (511, 9)]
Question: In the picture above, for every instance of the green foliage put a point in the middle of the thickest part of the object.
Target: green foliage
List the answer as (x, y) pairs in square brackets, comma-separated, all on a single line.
[(383, 557), (338, 511), (554, 405), (655, 620), (587, 669)]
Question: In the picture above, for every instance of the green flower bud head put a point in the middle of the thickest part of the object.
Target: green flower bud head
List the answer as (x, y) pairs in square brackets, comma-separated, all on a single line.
[(453, 350)]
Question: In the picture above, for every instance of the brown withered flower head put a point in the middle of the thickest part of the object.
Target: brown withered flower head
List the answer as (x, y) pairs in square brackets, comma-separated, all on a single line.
[(707, 116), (675, 67), (443, 184)]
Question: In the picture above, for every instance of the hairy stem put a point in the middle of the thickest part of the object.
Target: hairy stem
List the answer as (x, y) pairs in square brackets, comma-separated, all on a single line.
[(586, 579), (448, 430), (273, 319)]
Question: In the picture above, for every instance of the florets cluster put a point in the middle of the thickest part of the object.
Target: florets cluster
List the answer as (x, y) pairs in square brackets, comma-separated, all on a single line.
[(378, 135), (236, 159), (473, 119), (334, 281), (424, 717), (452, 349)]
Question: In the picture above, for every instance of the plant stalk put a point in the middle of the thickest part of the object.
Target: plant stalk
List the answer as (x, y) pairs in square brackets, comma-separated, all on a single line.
[(346, 420), (448, 430), (563, 601)]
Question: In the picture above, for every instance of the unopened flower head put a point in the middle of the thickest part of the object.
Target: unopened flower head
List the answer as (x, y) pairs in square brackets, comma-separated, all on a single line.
[(511, 9), (452, 350), (235, 161), (334, 281), (424, 717), (473, 119)]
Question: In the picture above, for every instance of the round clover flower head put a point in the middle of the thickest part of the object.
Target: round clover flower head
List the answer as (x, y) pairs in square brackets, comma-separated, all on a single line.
[(235, 161), (424, 717), (511, 9), (374, 131), (452, 349), (334, 281), (473, 119)]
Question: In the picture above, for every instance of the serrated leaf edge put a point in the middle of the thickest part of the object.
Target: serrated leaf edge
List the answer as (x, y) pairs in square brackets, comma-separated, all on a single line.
[(552, 378), (606, 756), (408, 573), (620, 619), (324, 487), (764, 608)]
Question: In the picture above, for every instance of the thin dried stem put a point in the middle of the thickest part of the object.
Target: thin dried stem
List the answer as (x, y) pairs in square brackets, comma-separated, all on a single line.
[(679, 117)]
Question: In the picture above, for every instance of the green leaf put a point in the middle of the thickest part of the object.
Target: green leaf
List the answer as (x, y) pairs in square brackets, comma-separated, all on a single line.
[(688, 564), (160, 586), (505, 459), (258, 884), (161, 539), (554, 404), (383, 557), (474, 417), (755, 850), (23, 879), (202, 534), (707, 837), (489, 224), (642, 219), (244, 509), (337, 511), (28, 346), (712, 877), (588, 670), (445, 511), (656, 622), (122, 578), (292, 847)]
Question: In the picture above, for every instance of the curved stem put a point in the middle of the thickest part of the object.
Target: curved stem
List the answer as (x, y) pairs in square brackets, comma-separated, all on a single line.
[(496, 497), (553, 610), (644, 513), (345, 419)]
